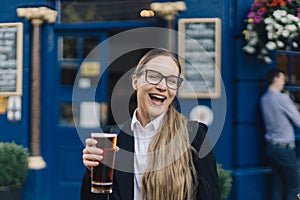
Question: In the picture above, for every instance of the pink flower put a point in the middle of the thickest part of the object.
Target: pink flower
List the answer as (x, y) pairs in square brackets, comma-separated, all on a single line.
[(257, 19), (261, 12), (257, 3), (250, 14)]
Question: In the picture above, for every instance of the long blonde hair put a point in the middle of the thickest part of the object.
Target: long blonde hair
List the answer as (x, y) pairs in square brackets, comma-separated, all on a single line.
[(170, 173)]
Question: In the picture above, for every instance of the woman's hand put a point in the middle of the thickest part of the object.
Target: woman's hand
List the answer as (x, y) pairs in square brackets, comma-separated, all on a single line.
[(91, 155)]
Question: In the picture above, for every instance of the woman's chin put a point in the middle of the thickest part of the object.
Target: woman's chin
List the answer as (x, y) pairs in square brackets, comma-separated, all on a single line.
[(155, 111)]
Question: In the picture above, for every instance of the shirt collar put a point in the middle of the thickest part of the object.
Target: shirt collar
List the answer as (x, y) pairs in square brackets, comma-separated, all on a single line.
[(156, 122)]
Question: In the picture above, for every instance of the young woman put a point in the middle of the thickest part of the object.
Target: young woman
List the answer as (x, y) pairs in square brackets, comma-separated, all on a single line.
[(164, 163)]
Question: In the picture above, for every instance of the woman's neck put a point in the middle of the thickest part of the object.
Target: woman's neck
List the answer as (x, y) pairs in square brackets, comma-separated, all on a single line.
[(143, 119)]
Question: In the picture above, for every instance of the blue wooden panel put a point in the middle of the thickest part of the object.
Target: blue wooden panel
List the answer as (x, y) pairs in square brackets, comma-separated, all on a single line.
[(225, 146), (14, 131), (68, 146), (248, 66), (240, 13), (219, 9), (196, 8), (248, 94), (250, 184), (69, 157), (70, 172), (249, 149), (71, 191)]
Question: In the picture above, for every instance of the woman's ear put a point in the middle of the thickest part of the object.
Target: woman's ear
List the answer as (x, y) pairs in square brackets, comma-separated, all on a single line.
[(134, 82)]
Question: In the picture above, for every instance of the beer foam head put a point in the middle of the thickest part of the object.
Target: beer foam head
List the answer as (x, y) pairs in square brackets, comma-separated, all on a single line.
[(104, 135)]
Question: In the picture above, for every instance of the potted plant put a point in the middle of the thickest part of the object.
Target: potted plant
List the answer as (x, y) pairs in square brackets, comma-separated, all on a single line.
[(272, 25), (13, 170), (225, 181)]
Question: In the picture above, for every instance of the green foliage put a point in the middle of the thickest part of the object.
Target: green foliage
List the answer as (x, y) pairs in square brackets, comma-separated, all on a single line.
[(225, 181), (13, 164), (272, 25)]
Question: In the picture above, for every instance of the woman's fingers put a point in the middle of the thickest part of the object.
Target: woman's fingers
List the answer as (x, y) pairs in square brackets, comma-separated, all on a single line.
[(91, 160), (91, 155), (117, 149), (90, 142), (92, 150)]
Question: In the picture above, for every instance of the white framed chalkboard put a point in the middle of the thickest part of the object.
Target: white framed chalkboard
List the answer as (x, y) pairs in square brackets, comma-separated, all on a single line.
[(11, 48), (199, 47)]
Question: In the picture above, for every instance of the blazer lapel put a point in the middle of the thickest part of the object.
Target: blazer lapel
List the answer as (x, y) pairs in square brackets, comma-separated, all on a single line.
[(124, 162)]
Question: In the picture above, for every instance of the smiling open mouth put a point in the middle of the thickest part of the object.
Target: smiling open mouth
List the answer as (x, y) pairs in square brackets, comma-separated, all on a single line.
[(157, 98)]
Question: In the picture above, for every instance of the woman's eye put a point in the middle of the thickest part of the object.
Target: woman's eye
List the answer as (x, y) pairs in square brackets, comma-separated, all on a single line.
[(172, 80), (154, 76)]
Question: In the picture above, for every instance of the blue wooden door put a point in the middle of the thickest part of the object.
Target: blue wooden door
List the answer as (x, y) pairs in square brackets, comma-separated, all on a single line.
[(68, 120)]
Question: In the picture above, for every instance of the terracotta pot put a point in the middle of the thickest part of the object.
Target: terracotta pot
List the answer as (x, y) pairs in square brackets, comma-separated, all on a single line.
[(10, 193)]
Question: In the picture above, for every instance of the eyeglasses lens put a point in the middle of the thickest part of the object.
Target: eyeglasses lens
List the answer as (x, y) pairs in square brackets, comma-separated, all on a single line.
[(154, 77)]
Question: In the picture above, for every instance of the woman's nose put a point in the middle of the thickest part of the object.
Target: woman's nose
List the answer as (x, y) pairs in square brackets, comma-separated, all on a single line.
[(162, 85)]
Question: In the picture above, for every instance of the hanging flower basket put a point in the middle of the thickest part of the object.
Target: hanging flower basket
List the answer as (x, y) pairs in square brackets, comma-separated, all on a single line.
[(272, 25)]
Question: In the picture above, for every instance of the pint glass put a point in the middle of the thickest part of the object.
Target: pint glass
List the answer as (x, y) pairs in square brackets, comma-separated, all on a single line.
[(102, 175)]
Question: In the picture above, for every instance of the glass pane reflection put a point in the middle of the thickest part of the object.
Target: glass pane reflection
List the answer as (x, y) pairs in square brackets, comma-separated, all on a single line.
[(66, 115), (68, 72), (81, 11), (69, 46), (90, 44)]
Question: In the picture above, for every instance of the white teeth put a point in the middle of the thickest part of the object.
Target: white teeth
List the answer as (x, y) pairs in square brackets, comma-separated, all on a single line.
[(158, 96)]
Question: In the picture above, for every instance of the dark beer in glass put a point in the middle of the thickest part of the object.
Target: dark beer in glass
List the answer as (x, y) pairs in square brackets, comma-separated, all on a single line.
[(102, 175)]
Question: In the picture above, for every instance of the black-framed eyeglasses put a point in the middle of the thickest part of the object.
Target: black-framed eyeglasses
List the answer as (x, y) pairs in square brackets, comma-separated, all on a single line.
[(154, 77)]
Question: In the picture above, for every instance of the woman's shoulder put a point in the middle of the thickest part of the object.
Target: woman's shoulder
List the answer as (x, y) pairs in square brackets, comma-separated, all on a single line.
[(111, 129), (197, 132), (195, 127), (117, 128), (106, 128)]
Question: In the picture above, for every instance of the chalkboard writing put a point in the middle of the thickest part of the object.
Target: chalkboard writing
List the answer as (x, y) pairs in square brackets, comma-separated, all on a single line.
[(10, 58), (199, 48)]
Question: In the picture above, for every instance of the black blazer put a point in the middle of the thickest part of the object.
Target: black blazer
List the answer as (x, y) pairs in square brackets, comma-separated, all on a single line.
[(123, 182)]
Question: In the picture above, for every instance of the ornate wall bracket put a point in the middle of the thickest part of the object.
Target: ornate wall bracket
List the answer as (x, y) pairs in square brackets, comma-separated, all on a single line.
[(42, 14), (36, 16), (168, 11)]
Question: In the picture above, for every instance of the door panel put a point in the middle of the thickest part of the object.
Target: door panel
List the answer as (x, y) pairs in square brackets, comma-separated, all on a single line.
[(72, 51), (65, 163)]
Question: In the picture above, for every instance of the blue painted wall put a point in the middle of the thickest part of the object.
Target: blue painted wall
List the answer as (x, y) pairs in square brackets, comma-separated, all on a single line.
[(240, 146), (36, 186), (220, 9), (19, 131), (250, 173)]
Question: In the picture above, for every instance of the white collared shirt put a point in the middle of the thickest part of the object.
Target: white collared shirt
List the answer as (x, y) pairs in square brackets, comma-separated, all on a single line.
[(142, 139)]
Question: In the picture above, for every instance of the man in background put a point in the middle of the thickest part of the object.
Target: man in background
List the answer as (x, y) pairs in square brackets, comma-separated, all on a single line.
[(280, 115)]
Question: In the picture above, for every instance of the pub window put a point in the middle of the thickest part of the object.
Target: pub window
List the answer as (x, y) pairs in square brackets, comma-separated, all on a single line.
[(80, 11), (69, 46), (69, 72), (288, 61), (89, 44), (73, 52), (66, 115)]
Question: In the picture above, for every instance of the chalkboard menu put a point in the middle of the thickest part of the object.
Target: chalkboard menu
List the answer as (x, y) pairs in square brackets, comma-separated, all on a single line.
[(11, 58), (199, 53)]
